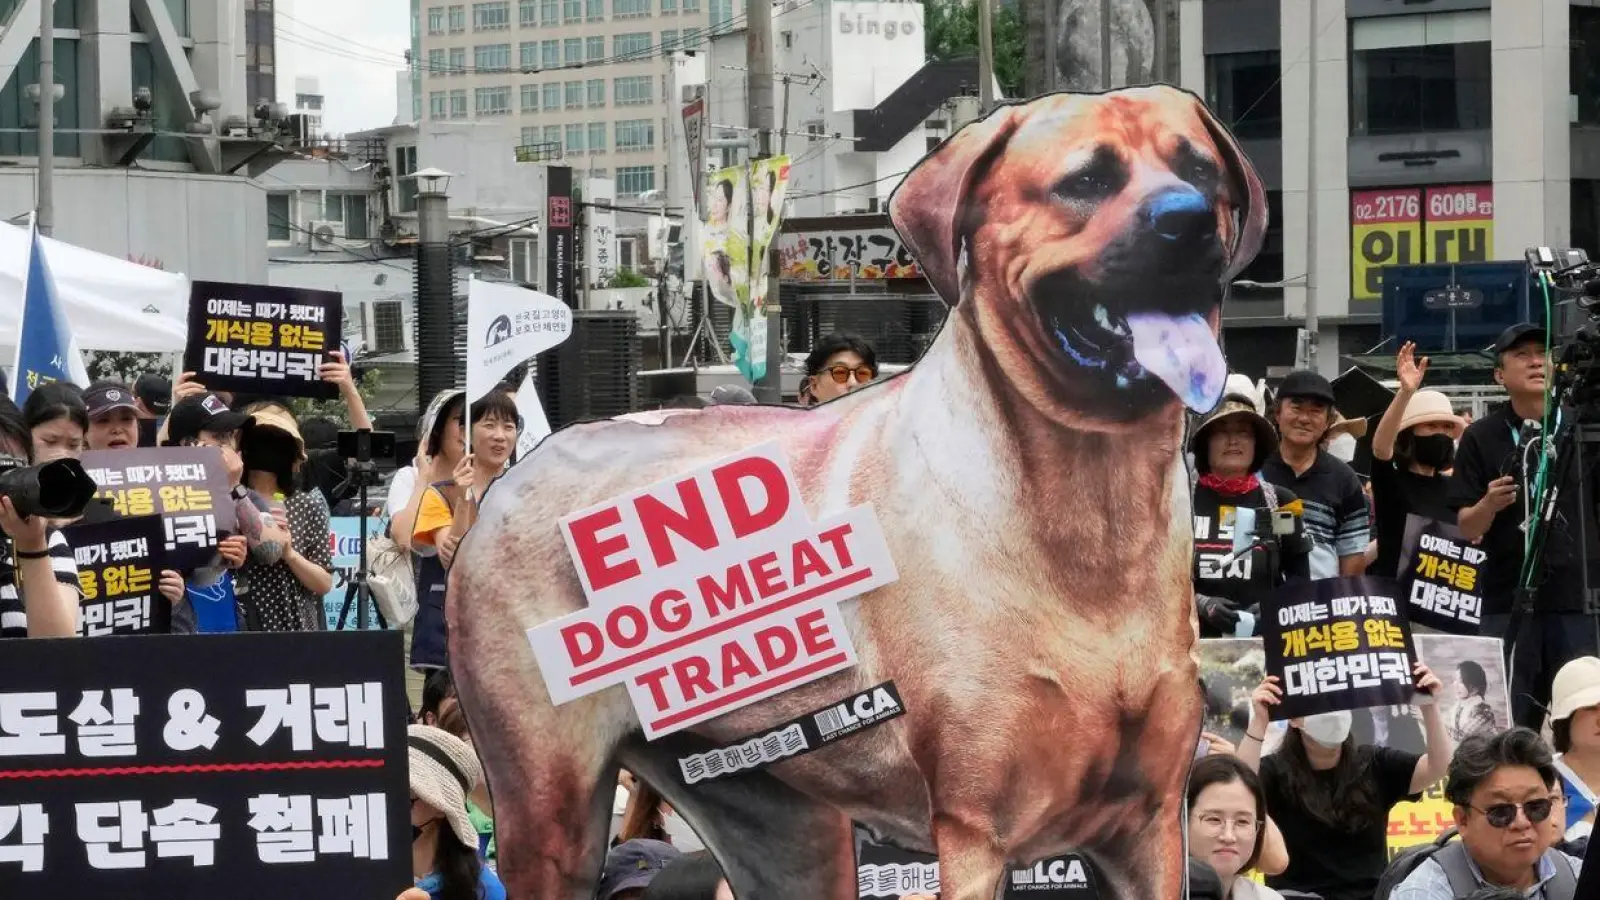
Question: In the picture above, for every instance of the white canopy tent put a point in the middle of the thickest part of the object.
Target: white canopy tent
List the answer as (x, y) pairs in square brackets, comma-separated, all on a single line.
[(111, 304)]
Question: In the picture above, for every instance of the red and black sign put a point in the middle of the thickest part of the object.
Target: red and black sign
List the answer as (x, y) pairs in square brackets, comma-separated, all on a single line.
[(560, 257)]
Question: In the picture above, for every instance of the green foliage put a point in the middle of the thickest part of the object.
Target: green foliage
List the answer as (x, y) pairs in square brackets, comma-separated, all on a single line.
[(951, 32), (307, 408), (124, 367), (627, 278)]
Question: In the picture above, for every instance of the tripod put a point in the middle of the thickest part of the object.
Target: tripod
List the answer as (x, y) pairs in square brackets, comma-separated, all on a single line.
[(364, 472)]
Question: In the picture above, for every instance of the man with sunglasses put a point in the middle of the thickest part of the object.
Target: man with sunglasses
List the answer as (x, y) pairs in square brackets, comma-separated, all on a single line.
[(837, 365), (1504, 791)]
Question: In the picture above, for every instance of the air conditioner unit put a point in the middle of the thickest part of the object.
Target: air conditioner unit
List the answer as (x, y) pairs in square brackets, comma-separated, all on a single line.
[(385, 326), (325, 236)]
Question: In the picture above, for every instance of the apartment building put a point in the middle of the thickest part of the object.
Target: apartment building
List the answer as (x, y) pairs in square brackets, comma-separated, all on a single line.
[(584, 80)]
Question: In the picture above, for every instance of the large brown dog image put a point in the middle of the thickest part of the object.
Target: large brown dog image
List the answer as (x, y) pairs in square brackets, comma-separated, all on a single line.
[(1027, 475)]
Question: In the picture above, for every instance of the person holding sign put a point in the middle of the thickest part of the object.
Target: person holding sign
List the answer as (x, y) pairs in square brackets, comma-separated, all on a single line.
[(1496, 470), (39, 591), (203, 420), (1412, 449), (1331, 797), (286, 594)]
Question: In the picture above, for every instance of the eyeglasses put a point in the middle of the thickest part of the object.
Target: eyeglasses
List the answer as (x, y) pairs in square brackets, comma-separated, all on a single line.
[(1212, 823), (841, 373), (1502, 815)]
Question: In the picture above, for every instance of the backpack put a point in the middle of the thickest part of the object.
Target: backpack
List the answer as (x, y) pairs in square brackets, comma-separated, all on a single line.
[(1452, 857)]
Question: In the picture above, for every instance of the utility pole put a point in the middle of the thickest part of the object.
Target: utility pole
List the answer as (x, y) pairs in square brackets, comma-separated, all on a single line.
[(758, 50), (1105, 45), (985, 57), (1312, 337), (45, 199)]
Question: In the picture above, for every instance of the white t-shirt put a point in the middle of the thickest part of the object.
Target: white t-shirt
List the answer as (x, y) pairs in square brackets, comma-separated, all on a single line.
[(401, 484)]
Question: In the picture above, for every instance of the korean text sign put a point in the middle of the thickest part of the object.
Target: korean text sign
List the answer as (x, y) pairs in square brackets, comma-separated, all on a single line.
[(1336, 644), (344, 536), (1441, 576), (257, 339), (119, 568), (187, 486), (246, 766), (709, 591)]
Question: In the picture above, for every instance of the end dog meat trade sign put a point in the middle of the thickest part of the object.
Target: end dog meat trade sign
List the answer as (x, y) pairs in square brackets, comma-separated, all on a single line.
[(709, 591)]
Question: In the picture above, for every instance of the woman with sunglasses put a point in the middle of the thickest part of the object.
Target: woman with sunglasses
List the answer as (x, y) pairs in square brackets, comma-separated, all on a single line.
[(838, 364)]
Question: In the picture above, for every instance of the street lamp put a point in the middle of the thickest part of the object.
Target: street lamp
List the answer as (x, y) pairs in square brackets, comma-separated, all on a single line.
[(432, 181)]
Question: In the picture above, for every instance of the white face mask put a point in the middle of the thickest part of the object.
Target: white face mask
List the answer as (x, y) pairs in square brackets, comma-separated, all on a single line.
[(1342, 447), (1327, 729)]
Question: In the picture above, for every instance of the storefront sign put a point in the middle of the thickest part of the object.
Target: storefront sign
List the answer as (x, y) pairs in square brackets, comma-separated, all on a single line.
[(1407, 226), (869, 254)]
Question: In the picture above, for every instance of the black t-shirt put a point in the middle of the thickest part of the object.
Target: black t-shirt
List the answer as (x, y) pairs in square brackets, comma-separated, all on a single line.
[(1330, 861), (1397, 493), (1335, 509), (1488, 450), (1250, 578)]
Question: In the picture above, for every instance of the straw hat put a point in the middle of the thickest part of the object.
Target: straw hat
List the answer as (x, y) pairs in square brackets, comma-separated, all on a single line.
[(1577, 686), (274, 416), (444, 770), (1356, 428), (1432, 406), (1231, 406)]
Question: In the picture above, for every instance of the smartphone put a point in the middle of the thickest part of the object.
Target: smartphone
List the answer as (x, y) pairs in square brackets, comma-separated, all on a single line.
[(379, 444)]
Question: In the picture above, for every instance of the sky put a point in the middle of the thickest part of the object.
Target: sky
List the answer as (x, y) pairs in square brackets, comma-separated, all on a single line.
[(353, 47)]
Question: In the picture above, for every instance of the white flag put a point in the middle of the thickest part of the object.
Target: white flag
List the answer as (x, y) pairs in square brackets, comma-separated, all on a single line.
[(535, 426), (507, 325)]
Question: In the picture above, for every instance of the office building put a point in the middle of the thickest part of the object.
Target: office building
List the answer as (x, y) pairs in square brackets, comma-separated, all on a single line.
[(260, 52)]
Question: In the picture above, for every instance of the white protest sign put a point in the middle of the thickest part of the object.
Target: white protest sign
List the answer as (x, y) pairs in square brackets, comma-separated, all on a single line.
[(507, 325), (709, 591)]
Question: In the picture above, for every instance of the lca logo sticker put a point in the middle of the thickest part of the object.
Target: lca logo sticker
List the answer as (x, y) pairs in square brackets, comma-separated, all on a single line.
[(873, 706), (869, 707), (1066, 874)]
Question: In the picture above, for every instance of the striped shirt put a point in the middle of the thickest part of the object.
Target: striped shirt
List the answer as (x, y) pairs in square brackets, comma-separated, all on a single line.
[(13, 617), (1335, 509)]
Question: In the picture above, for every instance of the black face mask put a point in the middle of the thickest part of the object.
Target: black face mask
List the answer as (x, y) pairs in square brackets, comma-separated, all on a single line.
[(1436, 451), (416, 832)]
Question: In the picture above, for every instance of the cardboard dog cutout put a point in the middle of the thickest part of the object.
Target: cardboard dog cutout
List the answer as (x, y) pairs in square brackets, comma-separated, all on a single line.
[(1027, 477)]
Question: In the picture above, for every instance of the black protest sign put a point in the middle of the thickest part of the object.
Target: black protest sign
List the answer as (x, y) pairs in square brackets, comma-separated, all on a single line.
[(1441, 576), (187, 486), (251, 766), (815, 729), (1337, 644), (255, 339), (119, 570)]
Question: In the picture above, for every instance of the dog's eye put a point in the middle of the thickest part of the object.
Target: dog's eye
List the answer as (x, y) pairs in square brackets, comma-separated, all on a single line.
[(1101, 177)]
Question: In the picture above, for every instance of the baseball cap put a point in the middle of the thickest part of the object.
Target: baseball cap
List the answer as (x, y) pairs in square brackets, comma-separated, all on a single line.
[(194, 415), (104, 398), (1306, 384), (154, 390), (634, 864), (1517, 334)]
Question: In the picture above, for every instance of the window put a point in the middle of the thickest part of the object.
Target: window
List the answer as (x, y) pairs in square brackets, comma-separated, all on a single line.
[(574, 94), (1245, 93), (669, 40), (436, 63), (575, 138), (636, 179), (436, 20), (632, 91), (458, 60), (691, 6), (524, 261), (388, 326), (527, 13), (530, 98), (458, 104), (691, 38), (405, 162), (491, 16), (597, 138), (629, 9), (1420, 73), (669, 6), (552, 96), (721, 13), (596, 89), (1268, 264), (596, 48), (458, 19), (599, 173), (349, 210), (308, 101), (492, 57), (630, 44), (572, 51), (530, 135), (595, 10), (572, 11), (528, 56), (552, 135), (494, 101), (636, 134), (549, 12), (279, 225), (550, 54), (438, 105), (1584, 72)]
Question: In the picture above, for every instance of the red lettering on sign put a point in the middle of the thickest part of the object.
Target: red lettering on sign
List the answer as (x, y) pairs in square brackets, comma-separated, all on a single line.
[(731, 479), (769, 578), (669, 610), (736, 664), (834, 537), (814, 634), (594, 552), (732, 592), (637, 628), (807, 562), (694, 677), (584, 643), (693, 523), (652, 680), (777, 646)]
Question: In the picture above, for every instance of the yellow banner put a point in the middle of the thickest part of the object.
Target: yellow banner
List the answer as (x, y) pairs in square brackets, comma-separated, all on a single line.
[(1416, 823), (1385, 230), (1460, 223)]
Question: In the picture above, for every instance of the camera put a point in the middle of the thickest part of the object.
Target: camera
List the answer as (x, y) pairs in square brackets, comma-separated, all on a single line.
[(364, 445), (57, 490)]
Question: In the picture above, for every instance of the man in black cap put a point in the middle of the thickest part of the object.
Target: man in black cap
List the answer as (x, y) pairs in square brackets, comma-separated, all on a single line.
[(1489, 490), (154, 394), (1335, 508)]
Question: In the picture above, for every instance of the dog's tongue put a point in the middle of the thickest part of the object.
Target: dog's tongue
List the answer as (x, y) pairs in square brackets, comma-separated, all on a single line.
[(1183, 353)]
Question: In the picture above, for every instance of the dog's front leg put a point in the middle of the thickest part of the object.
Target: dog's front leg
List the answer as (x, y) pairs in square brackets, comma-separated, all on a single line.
[(971, 861)]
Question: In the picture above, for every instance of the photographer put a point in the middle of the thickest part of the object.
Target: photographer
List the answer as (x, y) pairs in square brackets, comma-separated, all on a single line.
[(1489, 490), (38, 576)]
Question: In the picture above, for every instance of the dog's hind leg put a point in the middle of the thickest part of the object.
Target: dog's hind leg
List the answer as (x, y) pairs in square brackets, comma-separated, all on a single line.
[(772, 842), (1145, 863), (971, 861)]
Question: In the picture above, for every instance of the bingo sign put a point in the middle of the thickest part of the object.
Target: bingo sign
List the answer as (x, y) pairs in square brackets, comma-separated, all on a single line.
[(1440, 576), (254, 339), (709, 591), (1337, 644), (186, 486), (1408, 226)]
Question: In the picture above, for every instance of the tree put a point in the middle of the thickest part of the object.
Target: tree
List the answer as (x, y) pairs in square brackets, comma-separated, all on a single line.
[(123, 367), (951, 32), (307, 408), (627, 278)]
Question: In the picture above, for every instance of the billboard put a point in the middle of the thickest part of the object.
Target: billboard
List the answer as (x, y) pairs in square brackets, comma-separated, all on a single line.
[(1407, 226)]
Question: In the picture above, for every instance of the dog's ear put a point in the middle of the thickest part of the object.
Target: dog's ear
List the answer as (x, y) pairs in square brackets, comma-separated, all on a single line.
[(931, 210), (1249, 196)]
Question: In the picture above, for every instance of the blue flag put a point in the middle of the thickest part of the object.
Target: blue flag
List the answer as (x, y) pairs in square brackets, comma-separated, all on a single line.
[(46, 349)]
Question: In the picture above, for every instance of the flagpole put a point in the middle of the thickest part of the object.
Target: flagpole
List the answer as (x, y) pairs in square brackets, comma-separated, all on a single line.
[(22, 317), (45, 196), (466, 408)]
